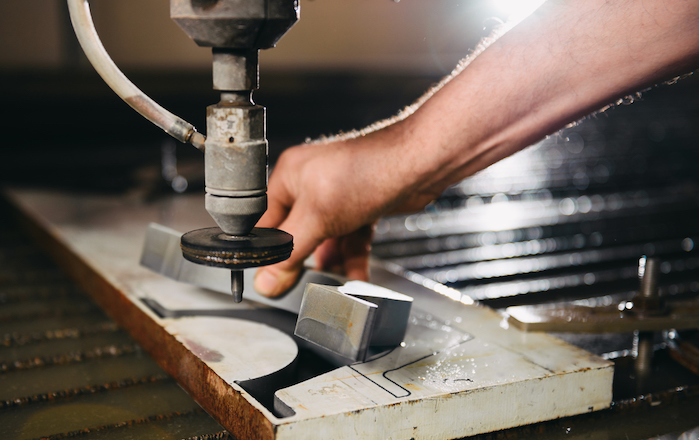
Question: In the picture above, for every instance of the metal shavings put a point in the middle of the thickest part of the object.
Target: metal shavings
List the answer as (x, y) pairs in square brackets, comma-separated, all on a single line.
[(90, 389), (16, 339), (70, 358)]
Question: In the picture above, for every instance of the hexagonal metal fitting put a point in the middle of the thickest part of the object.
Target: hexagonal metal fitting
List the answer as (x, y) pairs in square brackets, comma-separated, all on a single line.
[(235, 23), (231, 123)]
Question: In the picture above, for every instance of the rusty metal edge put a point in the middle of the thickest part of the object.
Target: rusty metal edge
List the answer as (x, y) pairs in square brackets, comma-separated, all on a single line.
[(226, 404)]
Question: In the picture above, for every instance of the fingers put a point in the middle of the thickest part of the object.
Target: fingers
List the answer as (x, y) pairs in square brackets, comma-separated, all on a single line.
[(275, 214), (348, 255), (278, 278), (356, 253), (279, 202)]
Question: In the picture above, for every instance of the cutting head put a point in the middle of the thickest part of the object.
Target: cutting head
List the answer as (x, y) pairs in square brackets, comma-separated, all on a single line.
[(235, 151)]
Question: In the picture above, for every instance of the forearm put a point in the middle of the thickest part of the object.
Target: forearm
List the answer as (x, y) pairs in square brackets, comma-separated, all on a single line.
[(568, 59)]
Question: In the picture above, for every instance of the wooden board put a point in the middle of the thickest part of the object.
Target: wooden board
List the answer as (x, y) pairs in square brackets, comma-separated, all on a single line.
[(461, 370)]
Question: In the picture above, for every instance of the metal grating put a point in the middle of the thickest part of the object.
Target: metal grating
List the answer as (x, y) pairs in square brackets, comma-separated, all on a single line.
[(67, 371), (569, 217)]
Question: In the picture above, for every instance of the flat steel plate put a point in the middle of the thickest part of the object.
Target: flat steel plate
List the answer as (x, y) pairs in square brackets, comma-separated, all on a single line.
[(460, 371)]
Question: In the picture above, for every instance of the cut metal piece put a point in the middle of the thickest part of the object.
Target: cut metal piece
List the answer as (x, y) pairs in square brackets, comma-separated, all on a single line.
[(393, 310), (349, 319), (340, 323)]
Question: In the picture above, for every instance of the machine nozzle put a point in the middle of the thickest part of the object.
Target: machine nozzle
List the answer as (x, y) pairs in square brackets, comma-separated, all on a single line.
[(237, 285)]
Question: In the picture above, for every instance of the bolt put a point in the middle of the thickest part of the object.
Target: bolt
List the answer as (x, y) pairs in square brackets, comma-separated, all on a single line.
[(648, 302), (648, 271)]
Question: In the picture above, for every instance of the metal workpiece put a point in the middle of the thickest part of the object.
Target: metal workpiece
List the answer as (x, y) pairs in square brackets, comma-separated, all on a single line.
[(392, 312), (459, 366), (235, 23), (349, 320)]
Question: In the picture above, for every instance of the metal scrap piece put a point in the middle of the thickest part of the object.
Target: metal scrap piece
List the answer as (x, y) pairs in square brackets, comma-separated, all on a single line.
[(350, 319), (617, 318)]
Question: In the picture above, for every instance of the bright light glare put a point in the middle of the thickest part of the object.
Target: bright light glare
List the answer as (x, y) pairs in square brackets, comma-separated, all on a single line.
[(517, 9)]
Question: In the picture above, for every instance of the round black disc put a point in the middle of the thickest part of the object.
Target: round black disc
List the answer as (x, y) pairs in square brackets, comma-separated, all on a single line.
[(212, 247)]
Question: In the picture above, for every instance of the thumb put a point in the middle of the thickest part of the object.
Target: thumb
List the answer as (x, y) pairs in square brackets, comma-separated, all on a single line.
[(276, 279)]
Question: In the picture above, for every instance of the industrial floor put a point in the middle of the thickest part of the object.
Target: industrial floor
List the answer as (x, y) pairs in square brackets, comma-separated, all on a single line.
[(67, 371)]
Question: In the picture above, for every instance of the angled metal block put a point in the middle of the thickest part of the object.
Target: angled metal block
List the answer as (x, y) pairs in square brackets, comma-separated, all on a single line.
[(336, 321), (393, 310), (349, 319)]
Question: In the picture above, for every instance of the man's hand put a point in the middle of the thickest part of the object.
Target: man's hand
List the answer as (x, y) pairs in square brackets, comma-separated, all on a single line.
[(329, 195)]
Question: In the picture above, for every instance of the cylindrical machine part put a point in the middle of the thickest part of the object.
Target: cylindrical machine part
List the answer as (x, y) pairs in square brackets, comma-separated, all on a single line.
[(235, 69), (643, 351), (236, 150), (236, 163), (648, 303), (649, 270)]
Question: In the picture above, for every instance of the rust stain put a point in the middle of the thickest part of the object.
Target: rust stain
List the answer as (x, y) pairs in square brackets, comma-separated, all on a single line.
[(412, 387), (204, 353)]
